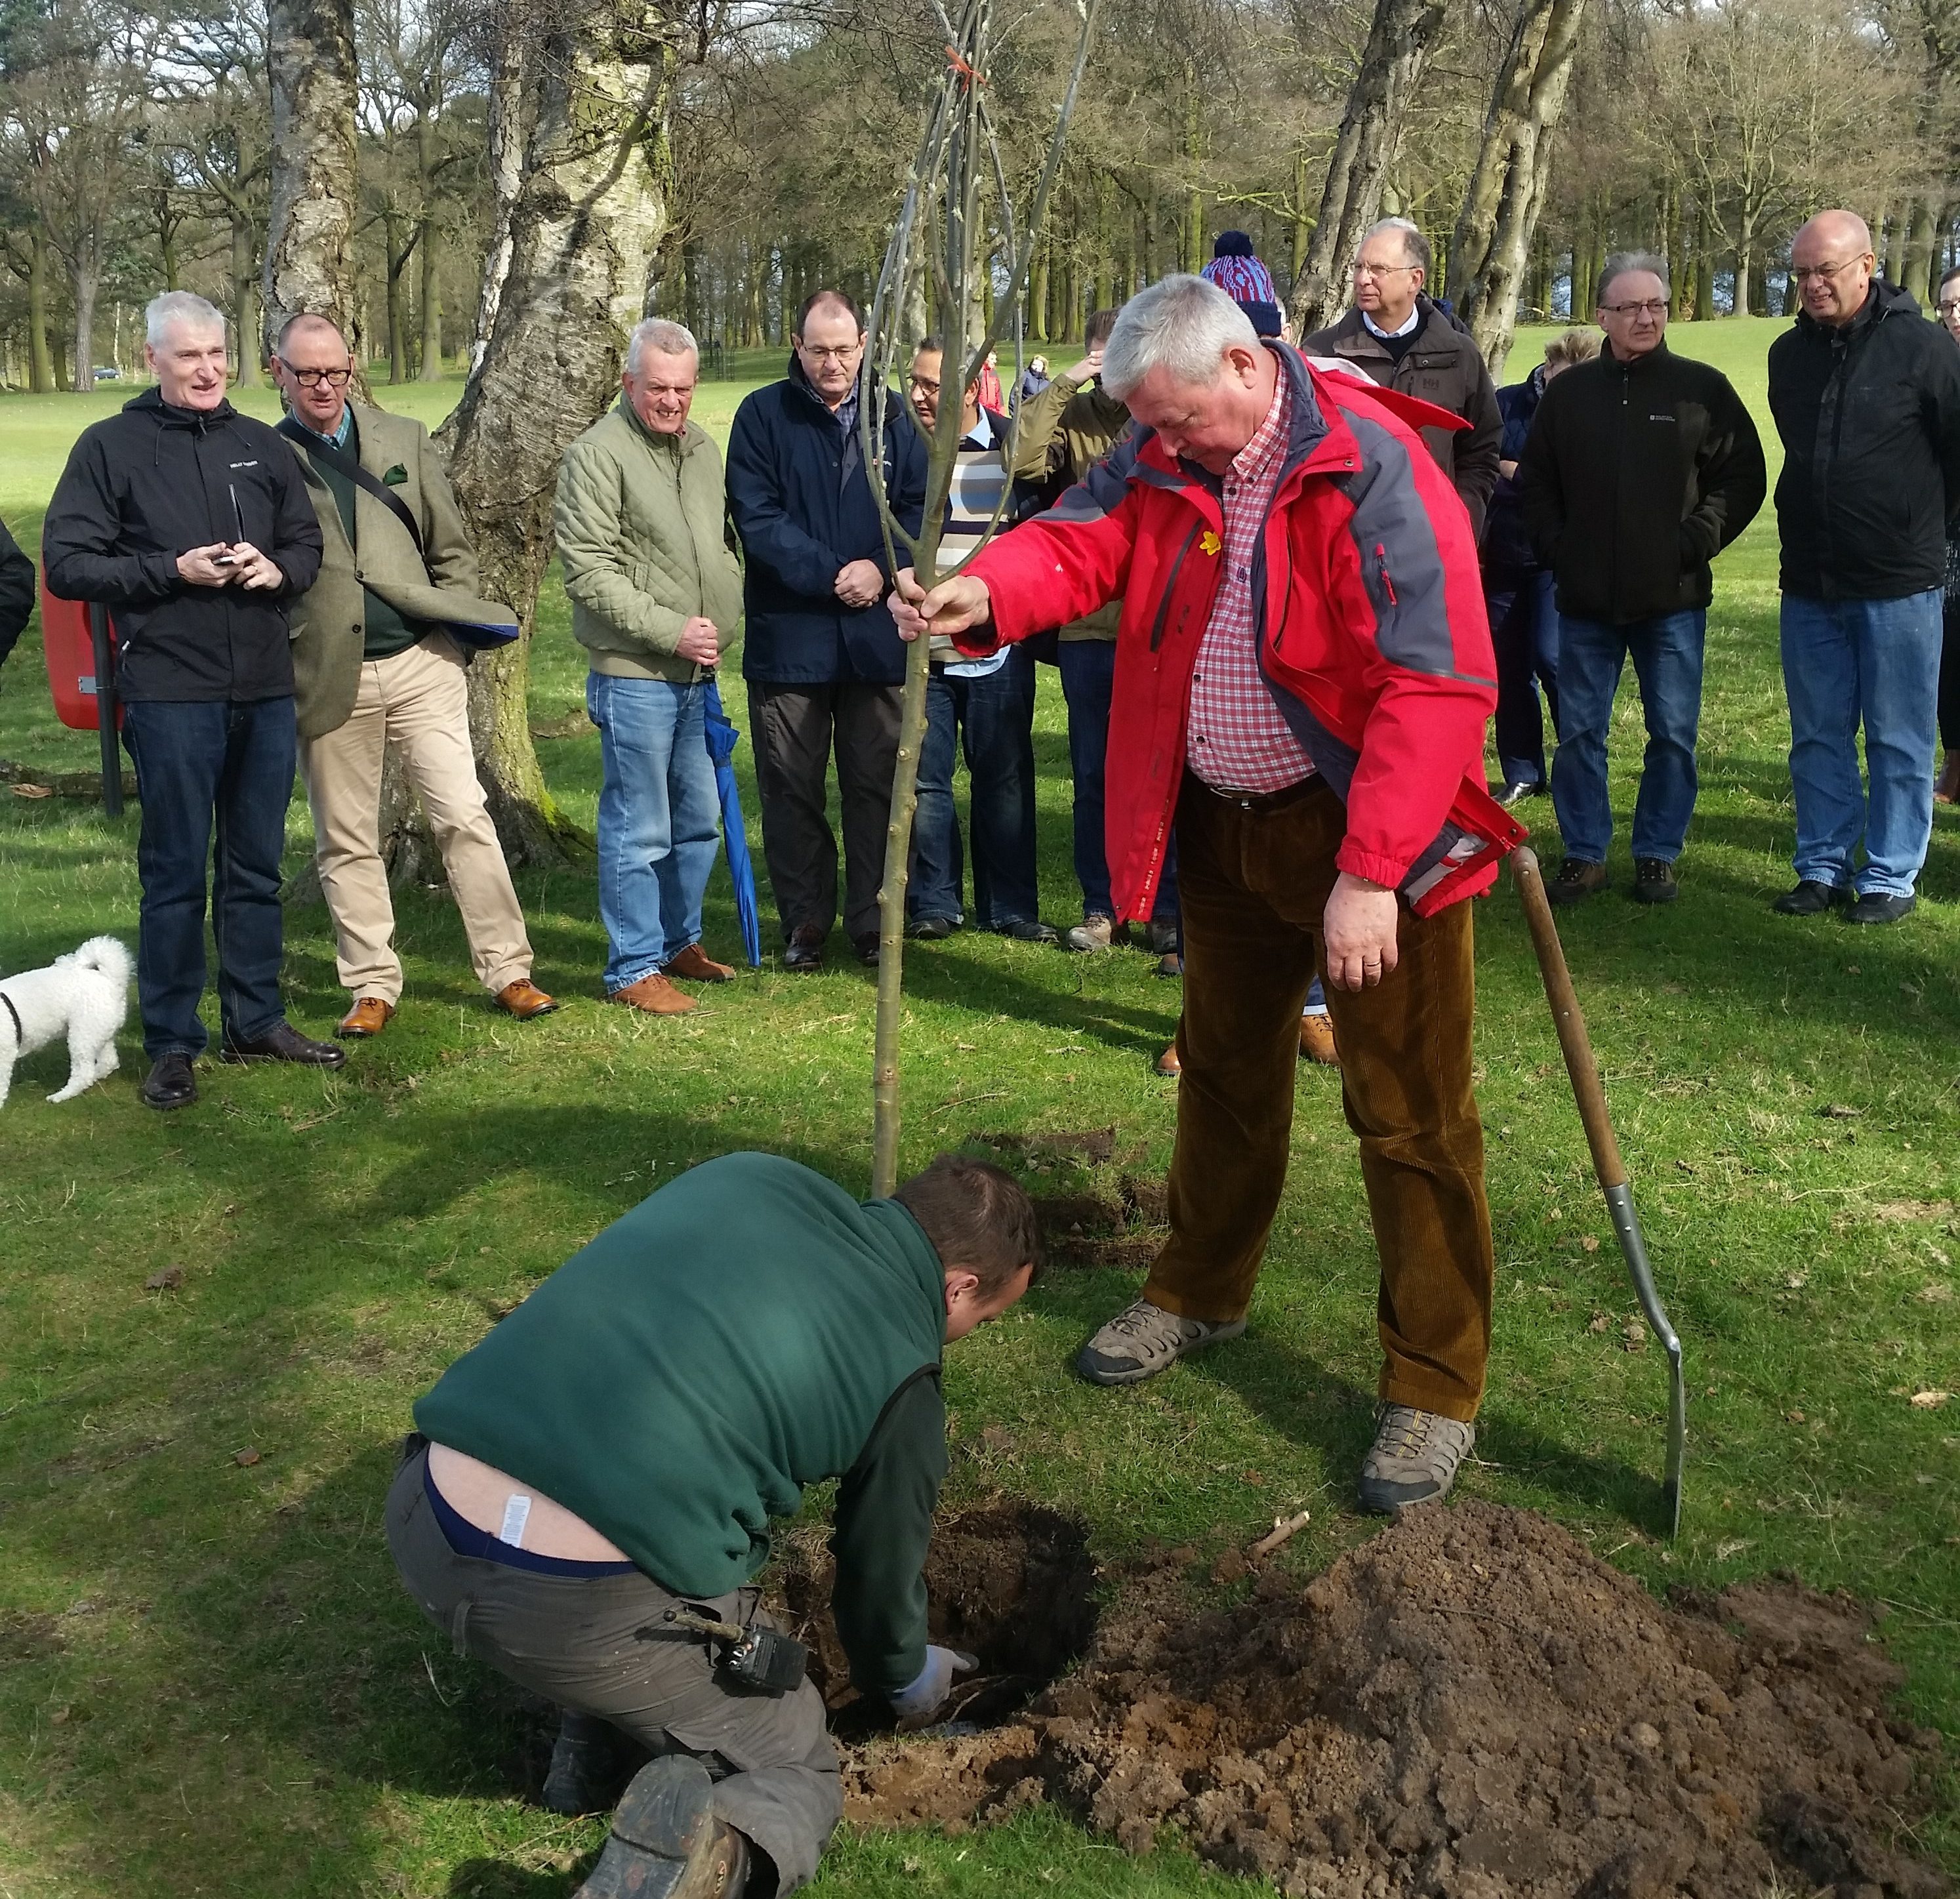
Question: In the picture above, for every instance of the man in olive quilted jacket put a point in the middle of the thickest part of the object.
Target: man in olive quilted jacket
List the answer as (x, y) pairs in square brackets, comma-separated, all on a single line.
[(656, 597)]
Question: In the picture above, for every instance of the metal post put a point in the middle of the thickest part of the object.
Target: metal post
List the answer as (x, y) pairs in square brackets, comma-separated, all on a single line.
[(106, 707)]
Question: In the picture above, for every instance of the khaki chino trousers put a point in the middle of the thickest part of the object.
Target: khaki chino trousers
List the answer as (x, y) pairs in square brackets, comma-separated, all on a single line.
[(1254, 876), (415, 700)]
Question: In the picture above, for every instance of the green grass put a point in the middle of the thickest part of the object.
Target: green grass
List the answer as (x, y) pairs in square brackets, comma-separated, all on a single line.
[(213, 1683)]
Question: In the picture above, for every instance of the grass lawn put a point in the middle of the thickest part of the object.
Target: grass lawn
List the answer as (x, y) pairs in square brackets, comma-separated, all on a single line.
[(213, 1683)]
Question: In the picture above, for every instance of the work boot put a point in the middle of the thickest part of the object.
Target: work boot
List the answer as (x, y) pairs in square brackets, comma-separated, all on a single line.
[(1654, 881), (666, 1842), (171, 1083), (695, 964), (1091, 934), (1316, 1041), (1577, 880), (1811, 898), (654, 995), (589, 1765), (1143, 1340), (1160, 937), (1414, 1458)]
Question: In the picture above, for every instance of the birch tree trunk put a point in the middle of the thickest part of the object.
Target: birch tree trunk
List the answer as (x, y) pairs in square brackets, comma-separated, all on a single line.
[(509, 130), (1491, 246), (1400, 41), (585, 224), (310, 242)]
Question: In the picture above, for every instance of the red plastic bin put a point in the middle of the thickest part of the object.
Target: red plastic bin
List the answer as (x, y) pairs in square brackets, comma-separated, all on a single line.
[(70, 655)]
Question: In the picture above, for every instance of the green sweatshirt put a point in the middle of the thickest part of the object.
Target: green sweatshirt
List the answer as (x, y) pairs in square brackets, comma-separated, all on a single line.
[(746, 1330)]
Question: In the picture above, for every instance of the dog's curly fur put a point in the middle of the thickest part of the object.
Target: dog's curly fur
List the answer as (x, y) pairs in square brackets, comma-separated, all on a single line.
[(84, 995)]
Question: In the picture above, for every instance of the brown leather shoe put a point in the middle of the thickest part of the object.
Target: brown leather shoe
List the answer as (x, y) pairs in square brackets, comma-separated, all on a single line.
[(1947, 787), (695, 964), (524, 1000), (654, 995), (1316, 1041), (1167, 1063), (368, 1016)]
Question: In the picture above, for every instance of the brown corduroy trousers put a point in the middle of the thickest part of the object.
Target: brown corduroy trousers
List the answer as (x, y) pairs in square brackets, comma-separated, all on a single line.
[(1254, 878)]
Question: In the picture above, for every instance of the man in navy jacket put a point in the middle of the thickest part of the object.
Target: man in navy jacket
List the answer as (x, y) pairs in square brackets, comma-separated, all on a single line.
[(822, 657)]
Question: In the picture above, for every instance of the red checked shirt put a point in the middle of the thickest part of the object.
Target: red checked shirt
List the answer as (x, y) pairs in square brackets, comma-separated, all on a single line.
[(1235, 738)]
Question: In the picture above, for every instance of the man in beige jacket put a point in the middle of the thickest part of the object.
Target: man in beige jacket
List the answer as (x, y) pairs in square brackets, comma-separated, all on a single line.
[(656, 596), (379, 649)]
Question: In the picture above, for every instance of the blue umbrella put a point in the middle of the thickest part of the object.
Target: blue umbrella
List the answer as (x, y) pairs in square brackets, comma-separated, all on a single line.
[(721, 737)]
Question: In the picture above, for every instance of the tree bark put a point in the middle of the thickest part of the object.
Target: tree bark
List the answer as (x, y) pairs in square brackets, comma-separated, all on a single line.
[(84, 279), (430, 368), (310, 242), (509, 128), (584, 226), (40, 358), (1400, 41), (245, 302), (1491, 247)]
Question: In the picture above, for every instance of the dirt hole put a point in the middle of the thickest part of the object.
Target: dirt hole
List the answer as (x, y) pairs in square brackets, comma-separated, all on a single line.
[(1011, 1583), (1469, 1706)]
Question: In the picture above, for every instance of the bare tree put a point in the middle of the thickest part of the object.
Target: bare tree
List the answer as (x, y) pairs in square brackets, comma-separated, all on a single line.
[(1402, 35), (957, 200), (1491, 247)]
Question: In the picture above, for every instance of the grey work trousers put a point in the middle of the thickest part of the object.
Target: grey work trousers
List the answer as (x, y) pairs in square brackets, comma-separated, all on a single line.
[(794, 730), (598, 1644)]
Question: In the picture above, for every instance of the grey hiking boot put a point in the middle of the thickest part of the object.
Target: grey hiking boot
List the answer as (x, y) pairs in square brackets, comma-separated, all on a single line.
[(1414, 1458), (1143, 1340), (666, 1842), (1091, 934)]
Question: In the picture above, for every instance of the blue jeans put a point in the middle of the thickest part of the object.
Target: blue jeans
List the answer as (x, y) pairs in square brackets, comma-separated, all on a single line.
[(1088, 671), (1878, 661), (1524, 629), (232, 762), (659, 820), (991, 720), (1666, 652)]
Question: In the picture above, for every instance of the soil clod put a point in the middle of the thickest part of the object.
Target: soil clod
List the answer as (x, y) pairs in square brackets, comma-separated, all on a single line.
[(1472, 1705)]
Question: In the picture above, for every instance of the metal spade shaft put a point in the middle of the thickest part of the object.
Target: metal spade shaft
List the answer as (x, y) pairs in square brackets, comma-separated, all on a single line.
[(1591, 1095)]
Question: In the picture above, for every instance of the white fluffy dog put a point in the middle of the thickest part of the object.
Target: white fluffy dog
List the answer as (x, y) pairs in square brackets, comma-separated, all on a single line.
[(84, 995)]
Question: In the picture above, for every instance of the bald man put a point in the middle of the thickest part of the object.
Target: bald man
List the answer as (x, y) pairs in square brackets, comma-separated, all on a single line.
[(379, 644), (1866, 397)]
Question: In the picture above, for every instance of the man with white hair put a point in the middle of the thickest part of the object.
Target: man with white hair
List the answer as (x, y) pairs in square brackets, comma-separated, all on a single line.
[(1866, 399), (656, 599), (1303, 674), (190, 522), (379, 643)]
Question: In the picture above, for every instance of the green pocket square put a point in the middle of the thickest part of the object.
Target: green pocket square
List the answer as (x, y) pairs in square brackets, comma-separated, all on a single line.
[(396, 476)]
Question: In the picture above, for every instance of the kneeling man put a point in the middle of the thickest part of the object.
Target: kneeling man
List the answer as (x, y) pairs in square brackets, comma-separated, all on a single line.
[(594, 1483), (1303, 673), (378, 655)]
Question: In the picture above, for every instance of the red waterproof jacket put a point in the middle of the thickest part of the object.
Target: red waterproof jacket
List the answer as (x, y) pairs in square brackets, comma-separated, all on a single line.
[(1373, 634)]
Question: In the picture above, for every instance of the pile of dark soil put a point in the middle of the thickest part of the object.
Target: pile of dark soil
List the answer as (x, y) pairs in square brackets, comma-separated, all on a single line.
[(1012, 1584), (1471, 1705)]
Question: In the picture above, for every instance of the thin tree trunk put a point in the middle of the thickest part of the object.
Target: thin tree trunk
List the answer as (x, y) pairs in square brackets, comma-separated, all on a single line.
[(509, 99), (245, 303), (1400, 40), (40, 358), (1491, 243), (585, 224), (84, 279), (1921, 248), (310, 242)]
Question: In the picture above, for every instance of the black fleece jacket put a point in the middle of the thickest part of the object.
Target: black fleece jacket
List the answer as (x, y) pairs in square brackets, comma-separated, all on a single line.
[(17, 591), (1635, 475), (151, 483), (1869, 415)]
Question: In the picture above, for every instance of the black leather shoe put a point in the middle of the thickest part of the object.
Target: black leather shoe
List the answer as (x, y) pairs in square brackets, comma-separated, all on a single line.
[(804, 950), (931, 929), (867, 947), (1029, 930), (1510, 791), (283, 1042), (1877, 908), (171, 1083), (1810, 899)]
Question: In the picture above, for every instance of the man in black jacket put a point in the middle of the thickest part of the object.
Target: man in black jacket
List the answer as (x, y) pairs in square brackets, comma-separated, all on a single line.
[(17, 592), (819, 652), (1640, 467), (1866, 398), (191, 522)]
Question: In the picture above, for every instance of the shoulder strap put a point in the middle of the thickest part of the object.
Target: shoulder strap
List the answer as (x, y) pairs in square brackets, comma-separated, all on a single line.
[(346, 466)]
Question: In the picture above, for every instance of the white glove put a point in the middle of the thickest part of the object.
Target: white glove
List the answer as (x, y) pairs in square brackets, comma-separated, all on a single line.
[(919, 1700)]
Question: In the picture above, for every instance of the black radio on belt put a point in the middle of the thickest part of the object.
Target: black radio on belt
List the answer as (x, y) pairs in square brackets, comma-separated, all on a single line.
[(762, 1657)]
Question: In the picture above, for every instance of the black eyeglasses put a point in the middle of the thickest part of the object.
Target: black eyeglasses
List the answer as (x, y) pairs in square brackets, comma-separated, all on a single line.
[(313, 378), (1652, 307)]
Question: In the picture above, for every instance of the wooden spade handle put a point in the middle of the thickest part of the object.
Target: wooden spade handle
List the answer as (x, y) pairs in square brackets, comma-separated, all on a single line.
[(1580, 1063)]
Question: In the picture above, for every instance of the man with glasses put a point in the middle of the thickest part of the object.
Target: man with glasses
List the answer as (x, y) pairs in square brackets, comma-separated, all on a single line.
[(1640, 467), (379, 644), (190, 522), (1401, 340), (821, 656), (1866, 398)]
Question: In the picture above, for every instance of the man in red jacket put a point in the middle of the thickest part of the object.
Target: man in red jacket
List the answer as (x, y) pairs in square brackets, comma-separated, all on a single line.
[(1303, 673)]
